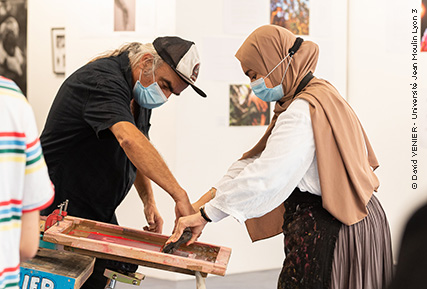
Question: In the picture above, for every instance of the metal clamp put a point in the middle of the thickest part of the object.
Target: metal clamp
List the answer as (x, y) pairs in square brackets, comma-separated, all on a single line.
[(129, 278)]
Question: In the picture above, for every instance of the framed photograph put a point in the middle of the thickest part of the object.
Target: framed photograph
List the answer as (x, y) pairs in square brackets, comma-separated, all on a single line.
[(246, 109), (58, 50), (291, 14), (13, 41)]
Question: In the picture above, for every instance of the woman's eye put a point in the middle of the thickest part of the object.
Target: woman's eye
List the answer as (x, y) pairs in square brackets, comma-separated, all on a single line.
[(251, 75)]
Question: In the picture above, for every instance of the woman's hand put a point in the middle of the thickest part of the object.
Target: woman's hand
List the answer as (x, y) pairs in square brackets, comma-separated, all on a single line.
[(195, 222)]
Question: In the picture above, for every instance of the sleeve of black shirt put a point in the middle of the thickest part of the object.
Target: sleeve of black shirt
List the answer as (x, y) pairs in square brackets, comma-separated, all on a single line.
[(108, 104)]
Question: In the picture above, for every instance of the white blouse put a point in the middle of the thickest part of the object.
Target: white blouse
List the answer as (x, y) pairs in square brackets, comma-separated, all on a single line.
[(255, 186)]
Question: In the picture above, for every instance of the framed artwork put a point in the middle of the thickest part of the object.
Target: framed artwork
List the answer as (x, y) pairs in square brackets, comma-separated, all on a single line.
[(58, 50), (13, 41), (245, 108), (124, 15), (291, 14)]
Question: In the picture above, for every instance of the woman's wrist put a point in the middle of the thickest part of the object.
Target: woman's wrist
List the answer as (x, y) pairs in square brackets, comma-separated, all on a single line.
[(204, 215)]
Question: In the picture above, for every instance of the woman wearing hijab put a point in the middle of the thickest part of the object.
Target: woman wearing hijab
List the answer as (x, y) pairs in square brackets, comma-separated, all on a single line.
[(310, 176)]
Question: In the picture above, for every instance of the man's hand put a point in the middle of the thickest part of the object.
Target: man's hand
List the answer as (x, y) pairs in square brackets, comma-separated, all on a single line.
[(154, 220), (196, 206), (183, 208), (195, 222)]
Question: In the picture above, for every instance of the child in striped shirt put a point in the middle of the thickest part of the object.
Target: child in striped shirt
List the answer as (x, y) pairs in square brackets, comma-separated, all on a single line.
[(25, 187)]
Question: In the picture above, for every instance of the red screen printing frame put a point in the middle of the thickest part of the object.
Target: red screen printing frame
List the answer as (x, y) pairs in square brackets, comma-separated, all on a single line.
[(139, 247)]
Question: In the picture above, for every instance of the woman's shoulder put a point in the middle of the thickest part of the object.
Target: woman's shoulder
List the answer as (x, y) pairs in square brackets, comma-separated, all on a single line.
[(298, 114), (298, 107)]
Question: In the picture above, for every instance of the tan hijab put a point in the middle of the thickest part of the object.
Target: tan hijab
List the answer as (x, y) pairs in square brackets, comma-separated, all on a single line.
[(345, 158)]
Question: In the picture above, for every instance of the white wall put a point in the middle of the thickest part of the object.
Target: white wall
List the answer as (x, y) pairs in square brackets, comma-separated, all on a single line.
[(380, 70), (42, 82), (192, 133)]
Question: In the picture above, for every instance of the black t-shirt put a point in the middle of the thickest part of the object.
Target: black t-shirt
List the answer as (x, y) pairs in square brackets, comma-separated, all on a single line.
[(85, 161)]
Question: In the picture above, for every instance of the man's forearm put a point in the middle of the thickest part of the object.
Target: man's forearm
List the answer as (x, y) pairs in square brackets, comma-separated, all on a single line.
[(146, 159), (144, 189)]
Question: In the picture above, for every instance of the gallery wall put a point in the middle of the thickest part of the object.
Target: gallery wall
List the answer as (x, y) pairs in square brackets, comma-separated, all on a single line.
[(42, 82), (364, 50), (380, 77)]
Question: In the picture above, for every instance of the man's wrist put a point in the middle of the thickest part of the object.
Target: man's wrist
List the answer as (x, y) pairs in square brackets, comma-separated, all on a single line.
[(180, 196), (149, 203)]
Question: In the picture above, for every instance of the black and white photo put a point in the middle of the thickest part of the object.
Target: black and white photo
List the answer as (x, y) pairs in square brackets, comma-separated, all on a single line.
[(13, 41), (58, 50)]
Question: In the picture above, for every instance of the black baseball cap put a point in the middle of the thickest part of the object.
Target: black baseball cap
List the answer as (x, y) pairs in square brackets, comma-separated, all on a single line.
[(182, 56)]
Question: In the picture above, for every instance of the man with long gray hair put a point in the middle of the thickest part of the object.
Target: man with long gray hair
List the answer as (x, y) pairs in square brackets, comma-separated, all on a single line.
[(96, 141)]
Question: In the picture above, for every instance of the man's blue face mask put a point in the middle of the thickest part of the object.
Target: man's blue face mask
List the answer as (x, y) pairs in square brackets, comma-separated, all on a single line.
[(269, 94), (149, 97)]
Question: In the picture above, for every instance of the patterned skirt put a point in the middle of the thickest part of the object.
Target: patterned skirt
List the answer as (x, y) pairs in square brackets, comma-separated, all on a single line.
[(322, 253)]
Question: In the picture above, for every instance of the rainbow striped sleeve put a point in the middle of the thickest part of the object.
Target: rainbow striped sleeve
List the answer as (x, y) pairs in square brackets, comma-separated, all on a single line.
[(34, 157), (35, 169), (12, 147)]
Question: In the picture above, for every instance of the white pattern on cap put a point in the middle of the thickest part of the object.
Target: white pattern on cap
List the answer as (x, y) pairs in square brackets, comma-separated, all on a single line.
[(189, 65)]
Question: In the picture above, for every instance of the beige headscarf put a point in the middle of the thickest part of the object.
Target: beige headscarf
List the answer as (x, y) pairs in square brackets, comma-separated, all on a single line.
[(345, 157)]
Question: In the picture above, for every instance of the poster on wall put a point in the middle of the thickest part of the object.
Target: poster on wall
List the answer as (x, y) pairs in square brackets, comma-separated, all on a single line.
[(423, 26), (245, 108), (291, 14), (124, 15), (13, 38), (58, 50)]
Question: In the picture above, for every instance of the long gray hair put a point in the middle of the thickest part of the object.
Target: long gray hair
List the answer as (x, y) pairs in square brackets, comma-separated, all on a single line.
[(136, 51)]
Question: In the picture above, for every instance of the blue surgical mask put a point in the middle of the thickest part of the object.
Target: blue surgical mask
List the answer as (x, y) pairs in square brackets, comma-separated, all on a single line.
[(269, 94), (148, 97)]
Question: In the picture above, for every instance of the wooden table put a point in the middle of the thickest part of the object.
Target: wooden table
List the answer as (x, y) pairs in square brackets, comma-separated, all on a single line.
[(52, 269)]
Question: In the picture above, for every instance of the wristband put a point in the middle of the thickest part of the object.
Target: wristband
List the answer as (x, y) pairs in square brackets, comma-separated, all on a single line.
[(203, 213)]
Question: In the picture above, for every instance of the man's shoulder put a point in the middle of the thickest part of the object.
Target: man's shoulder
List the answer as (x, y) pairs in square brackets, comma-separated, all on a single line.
[(113, 70), (103, 64)]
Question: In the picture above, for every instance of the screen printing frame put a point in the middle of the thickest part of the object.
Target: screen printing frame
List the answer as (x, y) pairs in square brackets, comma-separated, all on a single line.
[(77, 234)]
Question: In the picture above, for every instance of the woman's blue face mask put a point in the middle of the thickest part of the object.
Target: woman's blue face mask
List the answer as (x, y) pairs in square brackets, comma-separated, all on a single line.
[(269, 94), (149, 97)]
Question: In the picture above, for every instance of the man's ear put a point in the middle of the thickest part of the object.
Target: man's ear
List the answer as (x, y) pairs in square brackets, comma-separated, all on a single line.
[(146, 61)]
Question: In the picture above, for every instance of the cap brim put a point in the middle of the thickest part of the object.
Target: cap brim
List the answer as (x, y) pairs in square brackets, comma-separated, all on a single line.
[(196, 89)]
